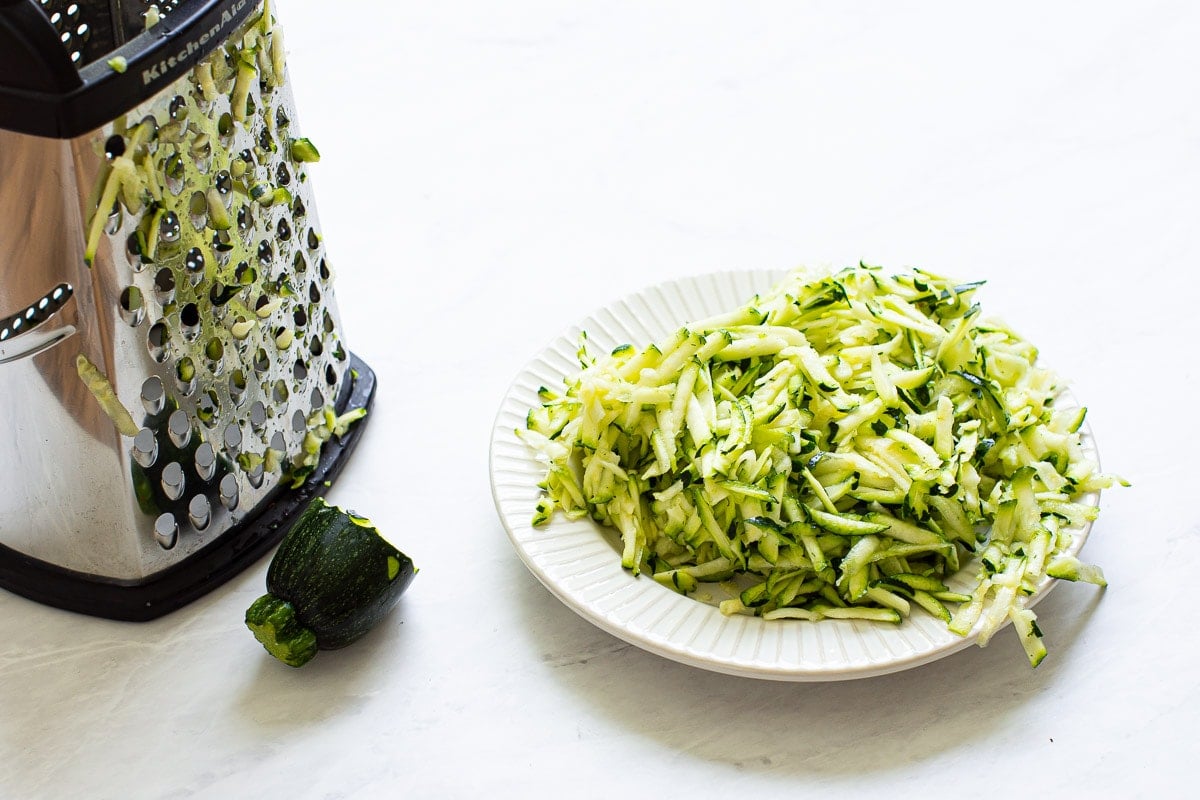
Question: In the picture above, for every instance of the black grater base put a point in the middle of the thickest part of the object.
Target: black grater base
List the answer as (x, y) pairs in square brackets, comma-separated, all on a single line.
[(208, 568)]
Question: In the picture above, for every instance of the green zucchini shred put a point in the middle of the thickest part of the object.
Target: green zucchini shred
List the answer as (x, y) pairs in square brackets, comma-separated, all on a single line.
[(836, 448)]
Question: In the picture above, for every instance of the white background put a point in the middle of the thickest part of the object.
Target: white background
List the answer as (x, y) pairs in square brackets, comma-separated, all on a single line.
[(493, 172)]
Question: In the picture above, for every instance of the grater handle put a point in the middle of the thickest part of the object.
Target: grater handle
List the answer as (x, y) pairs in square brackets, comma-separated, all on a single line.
[(31, 57), (43, 94)]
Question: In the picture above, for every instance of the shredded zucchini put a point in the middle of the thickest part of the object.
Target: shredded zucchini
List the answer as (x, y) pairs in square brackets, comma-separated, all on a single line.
[(838, 447)]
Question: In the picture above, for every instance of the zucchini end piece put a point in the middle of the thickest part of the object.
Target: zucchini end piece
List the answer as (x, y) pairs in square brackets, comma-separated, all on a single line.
[(273, 622)]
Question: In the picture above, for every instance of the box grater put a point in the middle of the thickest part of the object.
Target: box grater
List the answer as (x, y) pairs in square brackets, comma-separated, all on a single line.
[(174, 383)]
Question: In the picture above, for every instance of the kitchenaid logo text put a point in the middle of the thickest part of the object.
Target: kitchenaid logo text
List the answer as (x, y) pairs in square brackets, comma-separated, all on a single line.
[(164, 67)]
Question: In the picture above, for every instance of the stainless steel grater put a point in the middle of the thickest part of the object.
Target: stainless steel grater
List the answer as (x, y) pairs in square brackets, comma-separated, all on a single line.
[(174, 384)]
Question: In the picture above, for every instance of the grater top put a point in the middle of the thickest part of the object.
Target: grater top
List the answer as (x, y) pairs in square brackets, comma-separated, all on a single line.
[(70, 66)]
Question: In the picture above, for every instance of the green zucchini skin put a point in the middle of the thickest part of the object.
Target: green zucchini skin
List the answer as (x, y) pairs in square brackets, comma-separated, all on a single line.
[(338, 576)]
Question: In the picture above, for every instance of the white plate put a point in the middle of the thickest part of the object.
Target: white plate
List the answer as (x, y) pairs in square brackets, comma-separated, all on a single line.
[(579, 560)]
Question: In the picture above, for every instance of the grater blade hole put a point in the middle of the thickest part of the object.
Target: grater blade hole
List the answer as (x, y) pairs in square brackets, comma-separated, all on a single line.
[(154, 398), (189, 321), (145, 448), (132, 307), (258, 415), (228, 492), (205, 462), (179, 428), (169, 230), (114, 146), (156, 341), (208, 407), (194, 260), (237, 386), (164, 286), (199, 512), (173, 481), (232, 438), (166, 531), (185, 375), (262, 362)]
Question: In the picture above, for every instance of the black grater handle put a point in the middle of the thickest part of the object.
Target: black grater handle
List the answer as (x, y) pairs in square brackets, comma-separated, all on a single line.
[(32, 60), (42, 93)]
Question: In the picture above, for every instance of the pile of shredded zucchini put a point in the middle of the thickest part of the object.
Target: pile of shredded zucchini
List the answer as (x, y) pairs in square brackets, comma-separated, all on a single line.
[(835, 448)]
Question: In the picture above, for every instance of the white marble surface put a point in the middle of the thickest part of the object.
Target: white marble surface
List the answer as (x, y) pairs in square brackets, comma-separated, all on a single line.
[(493, 171)]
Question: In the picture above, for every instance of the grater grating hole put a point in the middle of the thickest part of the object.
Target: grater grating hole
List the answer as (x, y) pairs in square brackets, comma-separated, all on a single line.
[(237, 386), (261, 362), (266, 253), (314, 292), (224, 183), (194, 261), (114, 220), (279, 392), (198, 210), (300, 370), (314, 346), (173, 173), (314, 239), (214, 351), (283, 175), (185, 375), (255, 475), (330, 375), (199, 512), (205, 462), (228, 492), (179, 428), (247, 275), (283, 231), (299, 263), (189, 321), (232, 439), (114, 146), (132, 307), (166, 531), (245, 222), (154, 398), (156, 341), (300, 317), (169, 230), (173, 481), (164, 286), (299, 423), (316, 399), (258, 415), (298, 209), (208, 407), (145, 448)]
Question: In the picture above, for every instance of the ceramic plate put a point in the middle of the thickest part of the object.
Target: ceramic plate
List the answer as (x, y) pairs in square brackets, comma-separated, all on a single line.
[(579, 561)]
